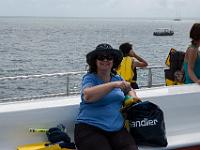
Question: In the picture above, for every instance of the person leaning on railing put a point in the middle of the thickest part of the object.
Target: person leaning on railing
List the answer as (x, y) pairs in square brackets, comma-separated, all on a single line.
[(192, 57), (131, 60), (100, 123)]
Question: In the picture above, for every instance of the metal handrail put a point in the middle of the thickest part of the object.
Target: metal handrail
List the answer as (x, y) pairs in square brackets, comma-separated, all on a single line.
[(42, 75), (150, 76), (68, 74)]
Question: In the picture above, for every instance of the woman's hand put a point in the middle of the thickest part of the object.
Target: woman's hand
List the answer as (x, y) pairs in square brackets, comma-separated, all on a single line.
[(94, 93), (198, 82), (123, 85)]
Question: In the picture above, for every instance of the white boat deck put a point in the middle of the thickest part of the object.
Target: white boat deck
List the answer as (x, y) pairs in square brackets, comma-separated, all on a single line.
[(181, 106)]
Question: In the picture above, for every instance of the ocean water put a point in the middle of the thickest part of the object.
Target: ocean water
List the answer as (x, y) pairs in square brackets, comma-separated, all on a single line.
[(33, 45)]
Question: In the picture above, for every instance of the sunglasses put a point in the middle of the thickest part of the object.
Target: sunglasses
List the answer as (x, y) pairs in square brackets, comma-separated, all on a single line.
[(103, 57)]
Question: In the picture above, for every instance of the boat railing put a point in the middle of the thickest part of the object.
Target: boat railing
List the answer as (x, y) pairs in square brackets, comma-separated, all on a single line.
[(72, 81)]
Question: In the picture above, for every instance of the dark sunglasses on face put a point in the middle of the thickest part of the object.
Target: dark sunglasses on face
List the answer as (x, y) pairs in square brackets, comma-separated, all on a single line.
[(103, 57)]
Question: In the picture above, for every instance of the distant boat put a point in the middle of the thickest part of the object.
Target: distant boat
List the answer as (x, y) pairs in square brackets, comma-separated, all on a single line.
[(163, 32), (177, 19)]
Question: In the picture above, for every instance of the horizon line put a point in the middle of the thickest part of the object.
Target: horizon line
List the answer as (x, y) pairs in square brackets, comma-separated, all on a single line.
[(114, 17)]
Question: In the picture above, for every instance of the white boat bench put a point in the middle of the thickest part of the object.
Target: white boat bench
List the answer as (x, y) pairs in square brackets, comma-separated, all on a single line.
[(181, 106)]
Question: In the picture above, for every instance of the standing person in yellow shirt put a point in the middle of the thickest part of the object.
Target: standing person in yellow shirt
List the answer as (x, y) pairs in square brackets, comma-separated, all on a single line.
[(131, 60)]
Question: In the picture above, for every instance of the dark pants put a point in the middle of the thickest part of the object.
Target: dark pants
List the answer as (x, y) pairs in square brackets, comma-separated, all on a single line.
[(88, 137), (134, 85)]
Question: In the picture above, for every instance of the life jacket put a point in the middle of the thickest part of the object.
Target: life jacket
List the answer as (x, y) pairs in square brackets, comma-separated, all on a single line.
[(125, 69), (58, 140), (174, 75)]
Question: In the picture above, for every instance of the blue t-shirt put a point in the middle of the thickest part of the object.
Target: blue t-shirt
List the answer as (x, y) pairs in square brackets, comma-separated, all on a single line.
[(104, 113), (196, 70)]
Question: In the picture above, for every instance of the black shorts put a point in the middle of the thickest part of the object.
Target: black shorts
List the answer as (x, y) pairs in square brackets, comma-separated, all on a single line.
[(88, 137)]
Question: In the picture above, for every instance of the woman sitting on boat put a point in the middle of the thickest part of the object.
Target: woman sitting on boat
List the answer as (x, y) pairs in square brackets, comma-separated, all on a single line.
[(192, 57), (100, 124)]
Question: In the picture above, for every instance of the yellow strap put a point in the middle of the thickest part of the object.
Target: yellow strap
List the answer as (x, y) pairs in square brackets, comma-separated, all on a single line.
[(167, 61), (133, 81), (41, 146), (51, 147), (34, 146)]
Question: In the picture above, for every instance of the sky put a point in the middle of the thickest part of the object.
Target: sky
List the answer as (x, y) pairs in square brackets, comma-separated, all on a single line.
[(102, 8)]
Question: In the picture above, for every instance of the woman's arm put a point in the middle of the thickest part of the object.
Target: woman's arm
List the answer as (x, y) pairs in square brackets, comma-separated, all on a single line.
[(192, 56), (140, 61), (94, 93)]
